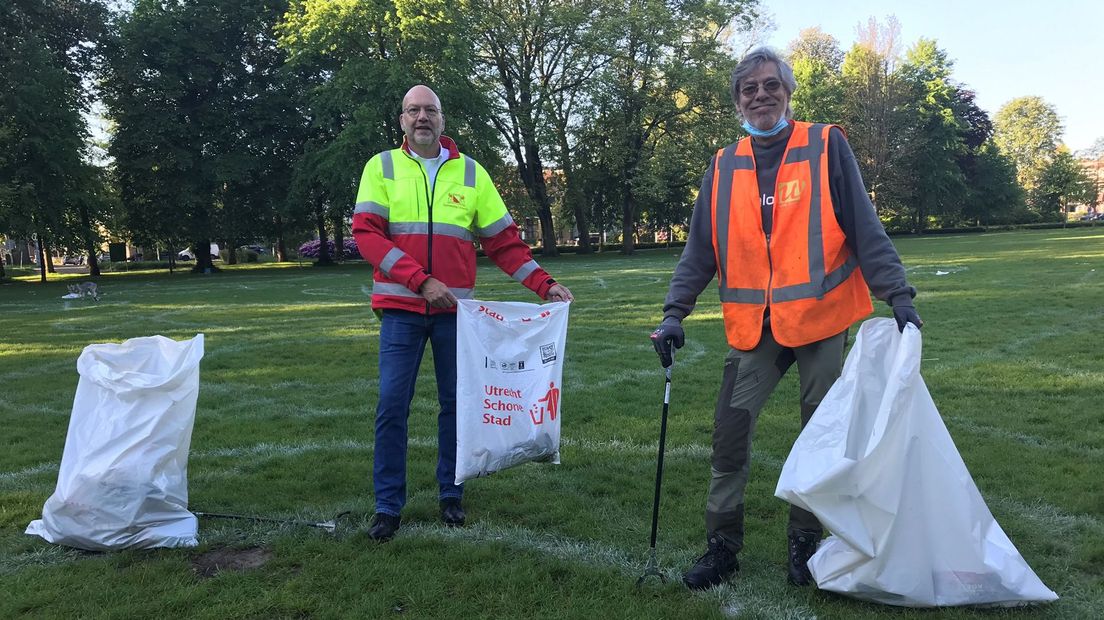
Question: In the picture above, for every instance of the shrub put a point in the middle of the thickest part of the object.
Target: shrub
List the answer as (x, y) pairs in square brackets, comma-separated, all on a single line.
[(310, 249)]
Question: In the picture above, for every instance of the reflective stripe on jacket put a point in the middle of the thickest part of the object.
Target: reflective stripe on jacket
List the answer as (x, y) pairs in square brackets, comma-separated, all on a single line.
[(408, 230), (804, 269)]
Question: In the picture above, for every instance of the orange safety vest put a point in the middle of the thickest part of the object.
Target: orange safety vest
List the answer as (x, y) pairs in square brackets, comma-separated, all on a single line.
[(804, 269)]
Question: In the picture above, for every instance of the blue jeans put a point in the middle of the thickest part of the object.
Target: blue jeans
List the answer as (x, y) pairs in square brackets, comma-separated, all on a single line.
[(403, 337)]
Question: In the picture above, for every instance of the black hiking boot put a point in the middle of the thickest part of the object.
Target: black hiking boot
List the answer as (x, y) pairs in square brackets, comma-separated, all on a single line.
[(803, 544), (383, 527), (452, 513), (712, 568)]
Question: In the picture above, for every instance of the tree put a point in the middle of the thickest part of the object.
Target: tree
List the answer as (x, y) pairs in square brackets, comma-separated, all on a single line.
[(815, 44), (206, 122), (1028, 130), (49, 55), (534, 60), (816, 60), (993, 195), (936, 185), (566, 71), (877, 120), (357, 60), (1062, 183), (667, 74), (164, 92)]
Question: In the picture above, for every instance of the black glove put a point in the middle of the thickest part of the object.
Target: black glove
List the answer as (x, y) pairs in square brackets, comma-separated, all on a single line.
[(906, 313), (669, 334)]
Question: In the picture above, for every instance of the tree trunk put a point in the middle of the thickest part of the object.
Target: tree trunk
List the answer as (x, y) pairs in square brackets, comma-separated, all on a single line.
[(89, 245), (323, 242), (339, 237), (49, 258), (533, 176), (93, 264), (572, 194), (281, 247), (2, 274), (231, 252), (41, 259), (628, 222), (202, 249)]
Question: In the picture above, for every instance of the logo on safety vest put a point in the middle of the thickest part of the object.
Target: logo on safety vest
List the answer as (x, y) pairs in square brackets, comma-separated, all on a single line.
[(790, 192), (456, 200)]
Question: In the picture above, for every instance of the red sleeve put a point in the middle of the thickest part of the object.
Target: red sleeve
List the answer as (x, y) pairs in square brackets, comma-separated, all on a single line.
[(506, 249)]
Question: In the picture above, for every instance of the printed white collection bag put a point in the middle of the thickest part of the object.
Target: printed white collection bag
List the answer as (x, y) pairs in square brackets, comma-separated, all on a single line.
[(509, 366), (123, 480), (877, 466)]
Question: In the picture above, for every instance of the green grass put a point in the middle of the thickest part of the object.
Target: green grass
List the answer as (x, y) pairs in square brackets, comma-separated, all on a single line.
[(1013, 359)]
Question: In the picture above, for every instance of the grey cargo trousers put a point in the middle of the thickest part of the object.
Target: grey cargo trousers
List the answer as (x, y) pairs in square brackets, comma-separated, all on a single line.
[(749, 378)]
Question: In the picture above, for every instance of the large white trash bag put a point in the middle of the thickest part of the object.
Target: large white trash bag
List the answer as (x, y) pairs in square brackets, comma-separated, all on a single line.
[(123, 481), (877, 466), (509, 368)]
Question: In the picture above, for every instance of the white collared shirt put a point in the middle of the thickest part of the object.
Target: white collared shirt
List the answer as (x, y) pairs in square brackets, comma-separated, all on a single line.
[(432, 165)]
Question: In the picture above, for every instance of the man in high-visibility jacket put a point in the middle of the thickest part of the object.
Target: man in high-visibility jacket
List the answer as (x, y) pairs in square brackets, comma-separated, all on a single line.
[(418, 211), (784, 222)]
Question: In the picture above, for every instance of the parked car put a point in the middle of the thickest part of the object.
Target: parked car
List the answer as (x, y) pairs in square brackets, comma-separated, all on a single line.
[(188, 254), (73, 260)]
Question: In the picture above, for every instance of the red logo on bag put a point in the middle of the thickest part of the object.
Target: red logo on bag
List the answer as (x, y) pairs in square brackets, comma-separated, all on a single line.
[(551, 405)]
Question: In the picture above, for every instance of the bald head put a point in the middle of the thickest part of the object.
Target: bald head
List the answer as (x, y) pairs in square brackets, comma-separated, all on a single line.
[(421, 93), (422, 121)]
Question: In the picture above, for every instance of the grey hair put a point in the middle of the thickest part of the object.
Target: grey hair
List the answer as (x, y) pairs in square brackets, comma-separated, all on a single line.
[(752, 61)]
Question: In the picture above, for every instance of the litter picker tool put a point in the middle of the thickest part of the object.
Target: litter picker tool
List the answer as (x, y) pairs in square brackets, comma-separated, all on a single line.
[(652, 567), (330, 526)]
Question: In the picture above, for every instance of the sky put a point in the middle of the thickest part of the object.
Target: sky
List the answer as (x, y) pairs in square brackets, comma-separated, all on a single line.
[(1001, 50)]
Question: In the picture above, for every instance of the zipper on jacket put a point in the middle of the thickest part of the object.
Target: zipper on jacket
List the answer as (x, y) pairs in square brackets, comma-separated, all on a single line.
[(429, 219), (770, 267), (430, 191)]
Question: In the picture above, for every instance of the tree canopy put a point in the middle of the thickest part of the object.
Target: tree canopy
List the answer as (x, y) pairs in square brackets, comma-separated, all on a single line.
[(249, 121)]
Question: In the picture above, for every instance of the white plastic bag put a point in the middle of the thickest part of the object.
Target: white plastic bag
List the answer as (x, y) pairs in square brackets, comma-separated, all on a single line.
[(509, 367), (123, 480), (877, 466)]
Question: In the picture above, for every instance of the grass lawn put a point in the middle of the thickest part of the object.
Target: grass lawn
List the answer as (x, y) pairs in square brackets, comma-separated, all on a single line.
[(1013, 357)]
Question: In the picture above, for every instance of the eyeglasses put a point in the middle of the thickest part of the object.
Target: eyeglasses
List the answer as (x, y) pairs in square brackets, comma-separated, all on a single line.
[(750, 89), (415, 111)]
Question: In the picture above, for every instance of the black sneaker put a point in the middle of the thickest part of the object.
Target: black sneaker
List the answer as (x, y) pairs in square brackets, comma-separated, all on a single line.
[(452, 513), (383, 527), (802, 547), (712, 568)]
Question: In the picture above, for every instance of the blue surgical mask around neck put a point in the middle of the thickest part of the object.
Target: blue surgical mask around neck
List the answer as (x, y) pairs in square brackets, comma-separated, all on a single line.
[(773, 131)]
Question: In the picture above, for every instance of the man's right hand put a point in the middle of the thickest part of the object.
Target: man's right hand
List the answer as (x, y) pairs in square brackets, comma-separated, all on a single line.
[(437, 294), (667, 337)]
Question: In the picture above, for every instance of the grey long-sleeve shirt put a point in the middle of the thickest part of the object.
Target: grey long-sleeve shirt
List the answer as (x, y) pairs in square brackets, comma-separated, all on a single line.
[(866, 237)]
